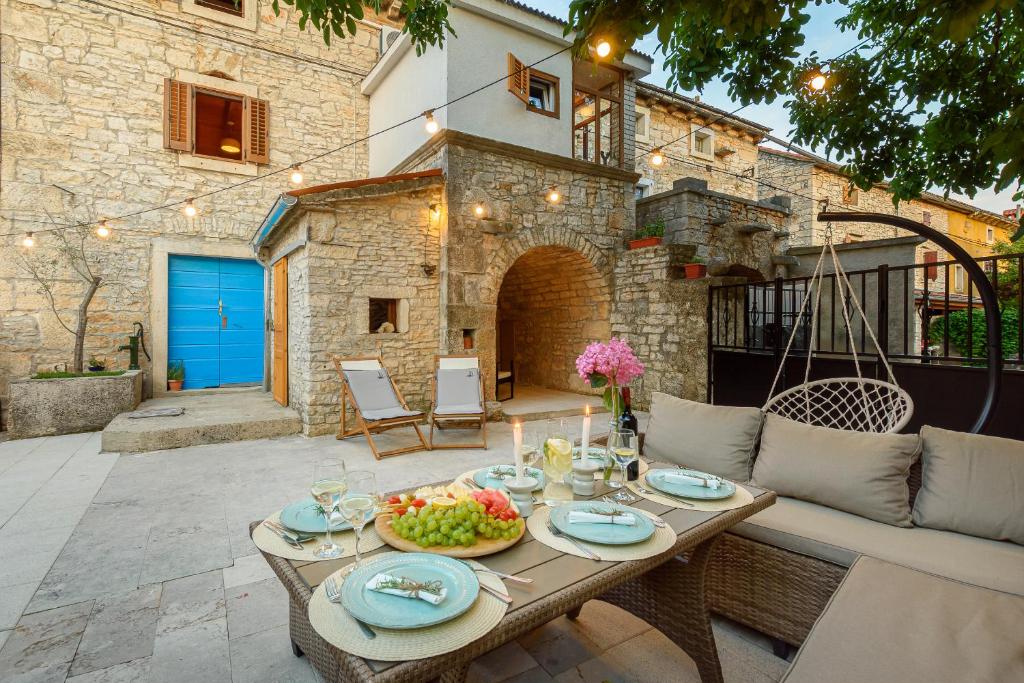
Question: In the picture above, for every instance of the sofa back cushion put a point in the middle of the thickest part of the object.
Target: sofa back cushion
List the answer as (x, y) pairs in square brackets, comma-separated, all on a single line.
[(715, 439), (861, 473), (972, 484)]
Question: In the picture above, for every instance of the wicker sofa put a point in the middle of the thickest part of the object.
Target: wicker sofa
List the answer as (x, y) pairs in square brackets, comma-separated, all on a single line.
[(779, 571)]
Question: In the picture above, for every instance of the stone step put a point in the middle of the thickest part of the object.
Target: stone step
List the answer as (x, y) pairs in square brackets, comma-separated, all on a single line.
[(537, 403), (209, 417), (530, 416)]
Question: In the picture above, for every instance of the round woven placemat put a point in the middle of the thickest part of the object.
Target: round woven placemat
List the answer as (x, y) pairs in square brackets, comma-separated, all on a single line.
[(663, 539), (737, 500), (269, 542), (334, 625)]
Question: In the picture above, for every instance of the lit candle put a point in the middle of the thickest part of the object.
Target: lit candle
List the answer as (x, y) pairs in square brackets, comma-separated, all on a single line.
[(517, 447), (585, 441)]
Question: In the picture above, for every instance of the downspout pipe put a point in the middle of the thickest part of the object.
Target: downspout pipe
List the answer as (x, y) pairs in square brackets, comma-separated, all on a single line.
[(281, 206), (985, 291)]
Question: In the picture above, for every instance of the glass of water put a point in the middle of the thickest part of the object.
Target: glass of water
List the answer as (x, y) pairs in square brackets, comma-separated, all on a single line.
[(358, 506), (622, 450), (327, 488)]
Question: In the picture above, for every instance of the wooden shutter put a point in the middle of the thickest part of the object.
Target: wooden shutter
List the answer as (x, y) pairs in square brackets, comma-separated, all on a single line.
[(177, 115), (931, 271), (518, 79), (256, 123)]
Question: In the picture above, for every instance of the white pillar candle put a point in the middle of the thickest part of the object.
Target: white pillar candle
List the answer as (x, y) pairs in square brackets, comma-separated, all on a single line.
[(517, 448), (585, 441)]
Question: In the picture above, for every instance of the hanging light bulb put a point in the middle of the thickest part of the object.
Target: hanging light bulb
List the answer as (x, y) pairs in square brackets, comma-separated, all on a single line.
[(479, 210), (431, 125), (29, 241), (554, 196), (435, 211), (657, 158), (103, 230), (190, 209), (603, 48), (296, 176), (818, 81)]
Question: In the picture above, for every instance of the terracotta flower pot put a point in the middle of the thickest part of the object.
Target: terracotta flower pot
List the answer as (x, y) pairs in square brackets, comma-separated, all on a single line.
[(644, 242), (695, 271), (174, 384)]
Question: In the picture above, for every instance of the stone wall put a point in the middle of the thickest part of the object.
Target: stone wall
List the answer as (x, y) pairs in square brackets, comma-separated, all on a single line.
[(82, 118), (558, 303)]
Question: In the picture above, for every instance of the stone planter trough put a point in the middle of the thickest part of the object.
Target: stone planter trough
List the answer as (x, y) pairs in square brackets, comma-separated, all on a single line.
[(44, 407)]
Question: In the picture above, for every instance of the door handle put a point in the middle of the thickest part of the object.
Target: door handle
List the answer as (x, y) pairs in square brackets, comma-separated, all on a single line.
[(220, 307)]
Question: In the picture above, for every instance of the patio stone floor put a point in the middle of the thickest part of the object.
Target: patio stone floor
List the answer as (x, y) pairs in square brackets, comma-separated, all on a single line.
[(139, 567)]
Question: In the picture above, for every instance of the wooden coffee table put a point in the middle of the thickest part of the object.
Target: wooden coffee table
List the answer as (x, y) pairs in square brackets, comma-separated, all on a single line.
[(666, 591)]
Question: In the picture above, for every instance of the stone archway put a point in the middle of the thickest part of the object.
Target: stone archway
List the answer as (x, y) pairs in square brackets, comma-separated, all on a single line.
[(552, 301)]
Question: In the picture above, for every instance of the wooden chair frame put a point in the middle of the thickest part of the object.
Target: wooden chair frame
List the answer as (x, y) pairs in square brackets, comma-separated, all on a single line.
[(370, 427), (458, 417)]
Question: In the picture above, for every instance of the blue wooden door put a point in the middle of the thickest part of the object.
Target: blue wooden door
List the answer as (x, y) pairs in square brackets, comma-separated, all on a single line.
[(215, 320)]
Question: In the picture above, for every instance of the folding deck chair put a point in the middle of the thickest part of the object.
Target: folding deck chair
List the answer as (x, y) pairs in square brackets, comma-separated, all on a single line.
[(376, 401), (458, 396)]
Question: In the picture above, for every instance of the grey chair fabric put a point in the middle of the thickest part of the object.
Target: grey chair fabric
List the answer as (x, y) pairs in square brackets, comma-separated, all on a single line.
[(458, 391), (891, 623), (840, 537), (375, 396)]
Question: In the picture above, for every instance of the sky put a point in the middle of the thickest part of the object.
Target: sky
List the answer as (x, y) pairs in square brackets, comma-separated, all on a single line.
[(823, 37)]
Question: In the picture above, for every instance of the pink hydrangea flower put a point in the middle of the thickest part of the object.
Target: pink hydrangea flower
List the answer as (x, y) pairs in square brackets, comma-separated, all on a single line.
[(614, 360)]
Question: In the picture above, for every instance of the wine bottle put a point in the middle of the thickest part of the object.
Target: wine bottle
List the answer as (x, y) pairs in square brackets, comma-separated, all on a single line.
[(627, 420)]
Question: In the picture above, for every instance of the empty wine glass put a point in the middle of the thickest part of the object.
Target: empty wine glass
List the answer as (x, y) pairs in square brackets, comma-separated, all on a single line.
[(358, 506), (327, 488), (622, 450)]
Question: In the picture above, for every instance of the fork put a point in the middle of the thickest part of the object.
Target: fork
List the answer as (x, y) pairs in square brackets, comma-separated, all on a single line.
[(677, 499), (284, 537), (658, 521), (334, 595), (282, 529), (584, 549)]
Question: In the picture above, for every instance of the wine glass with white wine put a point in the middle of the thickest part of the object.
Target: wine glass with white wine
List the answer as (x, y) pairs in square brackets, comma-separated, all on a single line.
[(359, 506), (327, 488), (622, 450)]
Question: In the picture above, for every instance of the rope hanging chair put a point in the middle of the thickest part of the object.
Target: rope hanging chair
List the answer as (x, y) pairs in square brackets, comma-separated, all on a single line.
[(851, 403)]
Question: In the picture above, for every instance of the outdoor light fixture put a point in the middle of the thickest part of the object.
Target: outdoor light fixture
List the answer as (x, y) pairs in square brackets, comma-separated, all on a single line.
[(103, 230), (296, 176), (435, 210), (657, 158), (818, 81), (554, 196), (603, 48), (479, 210), (29, 241), (190, 209), (431, 125)]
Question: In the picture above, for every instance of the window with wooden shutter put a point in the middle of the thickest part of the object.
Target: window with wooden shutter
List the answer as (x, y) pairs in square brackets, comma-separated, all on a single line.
[(518, 79), (257, 124), (177, 115), (931, 271)]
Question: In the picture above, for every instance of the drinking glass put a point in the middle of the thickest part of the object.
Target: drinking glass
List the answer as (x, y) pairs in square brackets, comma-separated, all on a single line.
[(358, 506), (557, 463), (327, 488), (622, 450)]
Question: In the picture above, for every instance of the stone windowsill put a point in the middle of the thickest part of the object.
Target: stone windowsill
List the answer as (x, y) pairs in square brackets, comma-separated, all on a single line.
[(219, 165)]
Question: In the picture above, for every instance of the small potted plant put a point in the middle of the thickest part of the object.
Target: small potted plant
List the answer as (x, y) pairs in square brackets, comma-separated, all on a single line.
[(97, 364), (648, 236), (695, 269), (175, 375)]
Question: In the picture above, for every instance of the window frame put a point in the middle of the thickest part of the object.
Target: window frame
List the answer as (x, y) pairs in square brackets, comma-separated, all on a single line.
[(391, 315), (598, 96), (249, 19), (851, 195), (959, 278), (926, 218), (640, 110), (206, 90), (709, 134), (990, 234), (555, 90)]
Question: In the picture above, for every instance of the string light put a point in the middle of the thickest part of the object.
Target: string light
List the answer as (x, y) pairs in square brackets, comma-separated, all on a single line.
[(431, 125), (190, 209), (603, 48), (29, 241), (818, 81), (296, 176), (554, 196), (479, 210), (103, 230), (657, 158)]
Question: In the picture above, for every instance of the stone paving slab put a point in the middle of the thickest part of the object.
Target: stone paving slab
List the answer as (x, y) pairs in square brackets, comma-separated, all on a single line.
[(121, 628), (43, 645)]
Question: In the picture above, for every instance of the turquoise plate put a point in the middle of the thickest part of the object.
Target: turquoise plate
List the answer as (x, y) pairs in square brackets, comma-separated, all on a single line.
[(484, 479), (396, 612), (302, 516), (656, 478), (593, 452), (608, 534)]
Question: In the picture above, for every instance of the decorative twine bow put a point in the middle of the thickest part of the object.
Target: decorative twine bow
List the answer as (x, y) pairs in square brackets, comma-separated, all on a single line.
[(613, 513), (502, 472), (412, 587)]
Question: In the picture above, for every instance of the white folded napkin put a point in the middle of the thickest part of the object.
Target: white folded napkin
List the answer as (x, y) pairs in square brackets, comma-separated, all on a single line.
[(376, 582), (678, 478), (579, 517)]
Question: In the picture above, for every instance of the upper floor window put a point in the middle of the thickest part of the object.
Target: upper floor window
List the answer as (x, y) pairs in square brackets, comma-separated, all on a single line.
[(538, 90), (240, 13), (958, 278), (926, 217), (850, 195), (643, 124), (597, 113), (990, 234), (702, 144), (235, 7), (213, 123)]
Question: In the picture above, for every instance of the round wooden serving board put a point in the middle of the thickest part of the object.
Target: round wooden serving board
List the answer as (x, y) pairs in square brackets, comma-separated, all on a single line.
[(484, 546)]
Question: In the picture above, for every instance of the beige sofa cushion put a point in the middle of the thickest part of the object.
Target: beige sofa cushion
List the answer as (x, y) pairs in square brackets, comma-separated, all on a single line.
[(973, 484), (709, 438), (890, 623), (865, 474), (839, 537)]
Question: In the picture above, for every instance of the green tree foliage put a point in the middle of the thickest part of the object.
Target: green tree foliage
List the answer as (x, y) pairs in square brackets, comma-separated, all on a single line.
[(959, 326)]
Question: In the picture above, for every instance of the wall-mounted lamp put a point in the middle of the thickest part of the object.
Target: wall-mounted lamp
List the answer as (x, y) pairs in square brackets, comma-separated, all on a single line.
[(435, 210)]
